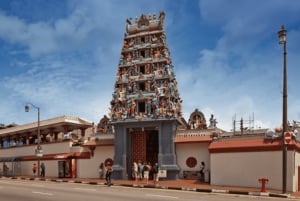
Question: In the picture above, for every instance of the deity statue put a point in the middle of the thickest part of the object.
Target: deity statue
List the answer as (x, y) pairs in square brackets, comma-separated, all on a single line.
[(212, 122), (132, 108), (148, 86), (148, 68), (148, 106)]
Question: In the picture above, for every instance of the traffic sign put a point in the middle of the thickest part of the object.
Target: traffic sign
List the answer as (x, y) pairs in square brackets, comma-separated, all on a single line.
[(287, 137)]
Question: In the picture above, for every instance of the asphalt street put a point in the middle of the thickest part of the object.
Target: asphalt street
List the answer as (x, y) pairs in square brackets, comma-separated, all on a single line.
[(32, 190)]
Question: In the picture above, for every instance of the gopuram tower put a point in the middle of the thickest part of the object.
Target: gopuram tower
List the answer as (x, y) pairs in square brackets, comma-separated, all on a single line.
[(146, 107)]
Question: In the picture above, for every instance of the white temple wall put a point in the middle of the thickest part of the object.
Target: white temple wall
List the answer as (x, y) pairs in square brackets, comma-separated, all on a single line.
[(245, 168), (88, 168)]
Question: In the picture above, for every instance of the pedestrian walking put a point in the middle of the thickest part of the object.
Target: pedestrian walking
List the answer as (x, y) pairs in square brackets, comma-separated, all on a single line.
[(134, 171), (34, 168), (109, 171), (155, 170), (140, 170), (43, 169), (202, 168), (146, 170)]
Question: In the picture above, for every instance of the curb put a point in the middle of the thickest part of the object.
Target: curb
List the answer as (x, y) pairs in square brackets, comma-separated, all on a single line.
[(203, 190), (200, 190), (238, 192)]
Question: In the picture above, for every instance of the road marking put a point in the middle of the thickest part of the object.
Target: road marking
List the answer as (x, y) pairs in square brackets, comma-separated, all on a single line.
[(42, 193), (38, 185), (85, 189), (161, 196)]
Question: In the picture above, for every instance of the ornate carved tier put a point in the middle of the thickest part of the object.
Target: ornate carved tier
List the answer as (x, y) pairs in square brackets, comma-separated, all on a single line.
[(146, 85)]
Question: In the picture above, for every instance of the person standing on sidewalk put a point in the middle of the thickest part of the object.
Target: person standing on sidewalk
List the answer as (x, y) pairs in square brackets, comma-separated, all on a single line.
[(146, 170), (140, 170), (109, 171), (43, 168), (202, 169), (135, 171), (34, 168), (155, 170)]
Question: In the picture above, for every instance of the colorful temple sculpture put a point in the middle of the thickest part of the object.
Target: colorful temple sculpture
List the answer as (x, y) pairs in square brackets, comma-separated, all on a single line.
[(145, 106), (145, 85)]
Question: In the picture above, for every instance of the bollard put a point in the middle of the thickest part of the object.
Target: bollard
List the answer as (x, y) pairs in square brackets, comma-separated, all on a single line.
[(263, 182)]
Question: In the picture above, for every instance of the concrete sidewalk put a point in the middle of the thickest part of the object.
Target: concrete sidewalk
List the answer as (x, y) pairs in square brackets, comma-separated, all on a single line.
[(180, 184)]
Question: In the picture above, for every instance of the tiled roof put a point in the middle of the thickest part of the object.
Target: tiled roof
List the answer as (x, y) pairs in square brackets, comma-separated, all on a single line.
[(69, 120), (248, 145), (100, 140)]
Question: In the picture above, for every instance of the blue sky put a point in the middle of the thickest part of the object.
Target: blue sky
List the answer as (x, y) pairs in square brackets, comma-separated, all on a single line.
[(62, 56)]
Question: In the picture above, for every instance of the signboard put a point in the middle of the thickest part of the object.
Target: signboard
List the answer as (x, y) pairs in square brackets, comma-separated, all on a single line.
[(39, 151), (287, 137), (162, 173)]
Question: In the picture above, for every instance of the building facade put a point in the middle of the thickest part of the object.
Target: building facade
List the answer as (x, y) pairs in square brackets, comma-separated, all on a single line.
[(60, 141), (243, 159)]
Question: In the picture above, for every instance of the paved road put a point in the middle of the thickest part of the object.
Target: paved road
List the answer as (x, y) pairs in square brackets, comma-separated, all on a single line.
[(31, 190)]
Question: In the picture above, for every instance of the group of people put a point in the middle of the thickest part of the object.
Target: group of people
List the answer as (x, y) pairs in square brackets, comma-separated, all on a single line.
[(145, 171), (43, 169), (140, 171)]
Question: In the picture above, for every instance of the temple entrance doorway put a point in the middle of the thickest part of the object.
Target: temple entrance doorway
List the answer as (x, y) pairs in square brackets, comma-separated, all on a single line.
[(144, 147)]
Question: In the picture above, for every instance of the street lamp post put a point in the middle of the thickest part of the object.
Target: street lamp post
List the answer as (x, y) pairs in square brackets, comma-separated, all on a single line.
[(282, 41), (38, 149)]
